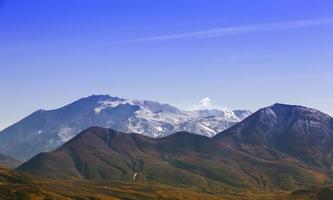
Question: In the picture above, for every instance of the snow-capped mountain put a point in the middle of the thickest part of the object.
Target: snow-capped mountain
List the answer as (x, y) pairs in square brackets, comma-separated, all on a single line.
[(46, 130)]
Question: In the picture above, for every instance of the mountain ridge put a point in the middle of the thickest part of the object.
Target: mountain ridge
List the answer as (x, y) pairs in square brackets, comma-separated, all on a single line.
[(242, 156), (45, 130)]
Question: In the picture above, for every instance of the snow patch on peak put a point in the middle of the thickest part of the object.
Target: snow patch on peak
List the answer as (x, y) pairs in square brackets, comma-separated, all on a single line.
[(65, 134), (49, 129), (101, 105)]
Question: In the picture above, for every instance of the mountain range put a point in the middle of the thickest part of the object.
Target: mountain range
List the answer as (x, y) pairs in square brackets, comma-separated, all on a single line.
[(46, 130), (281, 147), (279, 152)]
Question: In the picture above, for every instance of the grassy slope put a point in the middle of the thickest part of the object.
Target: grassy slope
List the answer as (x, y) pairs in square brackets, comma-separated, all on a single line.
[(8, 161), (179, 160), (16, 186)]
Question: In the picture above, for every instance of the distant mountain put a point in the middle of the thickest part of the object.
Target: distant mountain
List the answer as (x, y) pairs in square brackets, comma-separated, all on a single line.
[(46, 130), (8, 161), (278, 147)]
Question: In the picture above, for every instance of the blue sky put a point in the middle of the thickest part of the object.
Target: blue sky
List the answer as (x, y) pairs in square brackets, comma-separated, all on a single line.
[(239, 53)]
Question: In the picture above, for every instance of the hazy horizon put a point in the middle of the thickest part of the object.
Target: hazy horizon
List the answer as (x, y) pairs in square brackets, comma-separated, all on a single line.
[(175, 52)]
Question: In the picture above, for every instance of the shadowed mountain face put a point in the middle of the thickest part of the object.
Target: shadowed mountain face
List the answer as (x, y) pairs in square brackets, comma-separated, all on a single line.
[(46, 130), (8, 161), (278, 147), (304, 133)]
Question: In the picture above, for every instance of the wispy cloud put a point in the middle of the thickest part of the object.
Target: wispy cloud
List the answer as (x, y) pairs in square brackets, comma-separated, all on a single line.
[(224, 31)]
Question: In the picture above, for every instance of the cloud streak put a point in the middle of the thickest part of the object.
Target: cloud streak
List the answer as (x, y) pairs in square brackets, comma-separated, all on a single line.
[(225, 31)]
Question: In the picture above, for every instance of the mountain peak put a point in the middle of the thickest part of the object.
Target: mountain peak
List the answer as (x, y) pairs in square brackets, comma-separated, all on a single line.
[(296, 111), (283, 116), (290, 106), (97, 98), (303, 132), (282, 105), (48, 129)]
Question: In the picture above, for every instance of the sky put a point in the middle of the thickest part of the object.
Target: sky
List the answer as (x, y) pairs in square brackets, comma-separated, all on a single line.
[(235, 54)]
